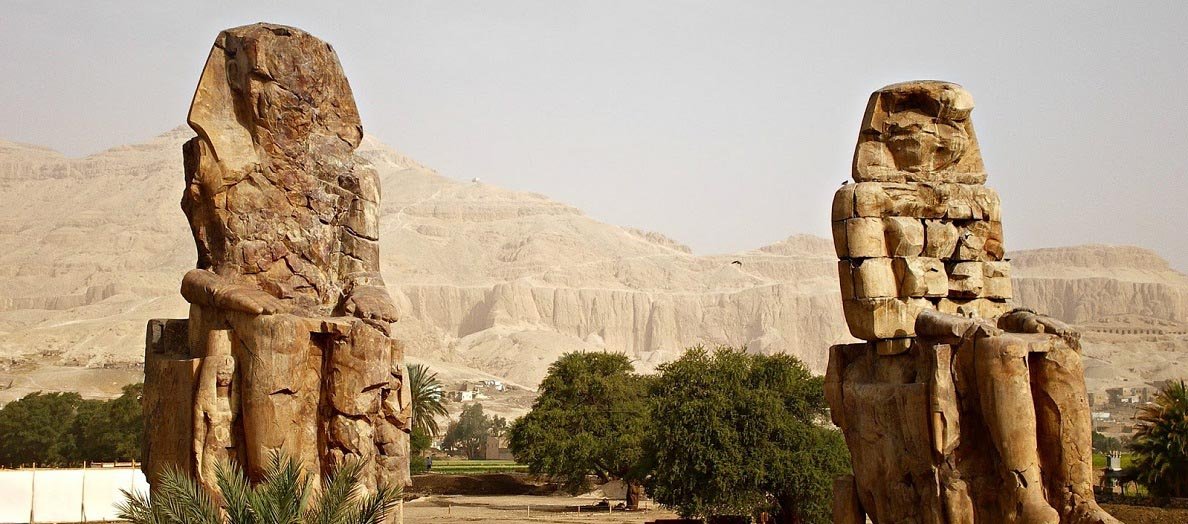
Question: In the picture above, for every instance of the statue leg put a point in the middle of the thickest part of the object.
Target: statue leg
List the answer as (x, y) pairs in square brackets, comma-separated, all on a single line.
[(1004, 391), (1065, 430), (280, 384), (363, 380)]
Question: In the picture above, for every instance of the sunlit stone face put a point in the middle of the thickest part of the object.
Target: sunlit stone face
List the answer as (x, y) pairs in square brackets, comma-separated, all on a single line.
[(920, 143)]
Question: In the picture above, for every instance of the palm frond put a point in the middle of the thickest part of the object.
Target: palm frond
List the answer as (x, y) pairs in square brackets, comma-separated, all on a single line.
[(181, 500), (425, 395), (333, 505), (282, 496), (137, 508), (237, 493), (374, 507)]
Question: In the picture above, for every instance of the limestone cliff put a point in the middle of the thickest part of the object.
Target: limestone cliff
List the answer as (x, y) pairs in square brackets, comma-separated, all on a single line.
[(497, 280)]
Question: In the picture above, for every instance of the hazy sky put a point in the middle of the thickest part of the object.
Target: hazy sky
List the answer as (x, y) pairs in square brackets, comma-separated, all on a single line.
[(725, 125)]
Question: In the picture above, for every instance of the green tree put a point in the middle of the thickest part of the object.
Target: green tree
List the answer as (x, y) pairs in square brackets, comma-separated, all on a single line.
[(469, 433), (36, 429), (1160, 443), (110, 430), (589, 418), (425, 392), (1104, 444), (284, 496), (499, 426), (737, 434), (418, 443)]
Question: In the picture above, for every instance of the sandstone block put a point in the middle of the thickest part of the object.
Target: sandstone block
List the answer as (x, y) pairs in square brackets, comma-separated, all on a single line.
[(893, 346), (878, 318), (905, 236), (871, 200), (914, 200), (846, 507), (977, 307), (840, 243), (987, 199), (965, 279), (921, 277), (843, 203), (996, 280), (873, 278), (865, 238), (845, 277), (979, 240), (940, 238)]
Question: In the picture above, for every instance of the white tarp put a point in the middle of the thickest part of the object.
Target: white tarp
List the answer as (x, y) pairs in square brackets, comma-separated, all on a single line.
[(16, 495), (65, 495)]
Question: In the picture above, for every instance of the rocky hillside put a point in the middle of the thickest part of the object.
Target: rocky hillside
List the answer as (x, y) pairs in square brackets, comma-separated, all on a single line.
[(490, 280)]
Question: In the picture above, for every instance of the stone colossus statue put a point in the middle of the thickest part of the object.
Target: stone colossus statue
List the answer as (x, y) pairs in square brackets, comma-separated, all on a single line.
[(958, 407), (287, 346)]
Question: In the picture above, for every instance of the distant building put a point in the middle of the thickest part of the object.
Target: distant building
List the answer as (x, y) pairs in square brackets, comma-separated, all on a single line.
[(497, 449)]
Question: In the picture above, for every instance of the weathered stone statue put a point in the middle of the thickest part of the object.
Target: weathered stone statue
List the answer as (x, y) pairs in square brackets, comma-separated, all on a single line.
[(287, 344), (959, 407)]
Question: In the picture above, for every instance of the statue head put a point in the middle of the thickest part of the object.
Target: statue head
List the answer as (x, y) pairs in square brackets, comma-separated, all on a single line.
[(258, 99), (919, 132)]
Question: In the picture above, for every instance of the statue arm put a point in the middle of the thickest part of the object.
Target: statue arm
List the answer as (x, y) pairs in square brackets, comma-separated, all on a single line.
[(932, 323), (207, 288), (1023, 320)]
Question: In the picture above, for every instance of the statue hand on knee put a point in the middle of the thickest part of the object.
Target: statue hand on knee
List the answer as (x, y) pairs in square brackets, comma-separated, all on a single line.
[(207, 288)]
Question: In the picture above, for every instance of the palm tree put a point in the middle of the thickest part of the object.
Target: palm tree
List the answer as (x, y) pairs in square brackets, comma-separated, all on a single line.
[(283, 497), (425, 390), (1160, 443)]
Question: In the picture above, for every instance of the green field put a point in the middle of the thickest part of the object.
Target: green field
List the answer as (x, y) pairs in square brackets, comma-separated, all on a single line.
[(1099, 460), (474, 467)]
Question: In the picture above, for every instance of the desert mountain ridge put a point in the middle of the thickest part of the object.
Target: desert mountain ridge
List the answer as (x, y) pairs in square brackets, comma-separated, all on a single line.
[(499, 283)]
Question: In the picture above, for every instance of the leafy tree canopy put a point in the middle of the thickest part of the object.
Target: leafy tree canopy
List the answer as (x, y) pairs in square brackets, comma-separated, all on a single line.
[(735, 433), (1104, 444), (469, 433), (590, 418), (59, 429), (36, 429)]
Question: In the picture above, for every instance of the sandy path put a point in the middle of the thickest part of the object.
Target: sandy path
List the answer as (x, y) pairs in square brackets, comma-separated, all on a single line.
[(517, 509)]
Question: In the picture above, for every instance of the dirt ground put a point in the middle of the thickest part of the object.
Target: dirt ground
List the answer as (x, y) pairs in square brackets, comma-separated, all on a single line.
[(1144, 515), (520, 508), (536, 508)]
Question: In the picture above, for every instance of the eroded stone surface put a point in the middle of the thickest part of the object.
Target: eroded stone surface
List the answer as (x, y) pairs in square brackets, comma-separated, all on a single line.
[(960, 408), (288, 333)]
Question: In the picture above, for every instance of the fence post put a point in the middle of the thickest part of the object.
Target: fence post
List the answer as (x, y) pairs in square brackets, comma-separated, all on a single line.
[(82, 502), (32, 493)]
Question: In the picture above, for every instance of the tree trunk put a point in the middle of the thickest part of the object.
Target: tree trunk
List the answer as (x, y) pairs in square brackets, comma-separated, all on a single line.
[(634, 493), (787, 512)]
